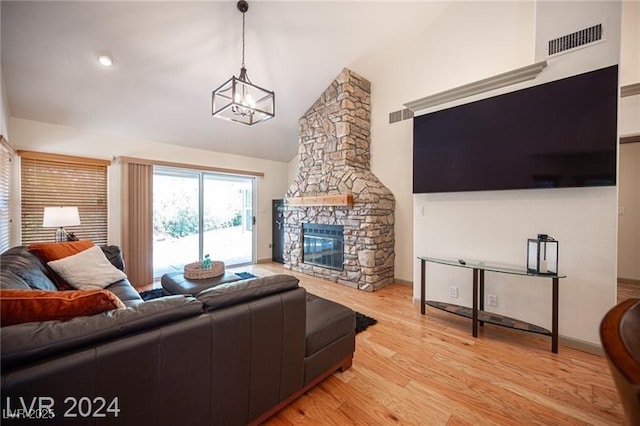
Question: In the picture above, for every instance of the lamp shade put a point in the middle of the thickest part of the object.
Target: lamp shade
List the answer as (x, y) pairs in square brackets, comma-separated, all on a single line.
[(60, 216)]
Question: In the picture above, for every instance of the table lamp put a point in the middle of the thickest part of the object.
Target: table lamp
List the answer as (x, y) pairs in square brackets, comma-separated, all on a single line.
[(60, 217)]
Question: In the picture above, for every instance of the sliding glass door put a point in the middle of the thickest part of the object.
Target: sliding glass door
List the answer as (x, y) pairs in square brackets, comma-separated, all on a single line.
[(228, 218), (199, 213)]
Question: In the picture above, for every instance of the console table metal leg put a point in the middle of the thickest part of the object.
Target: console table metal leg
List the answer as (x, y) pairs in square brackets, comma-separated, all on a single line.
[(554, 318), (481, 272), (475, 303), (422, 286)]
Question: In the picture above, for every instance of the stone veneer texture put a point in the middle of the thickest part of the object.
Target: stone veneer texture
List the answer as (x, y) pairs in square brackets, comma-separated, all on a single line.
[(334, 158)]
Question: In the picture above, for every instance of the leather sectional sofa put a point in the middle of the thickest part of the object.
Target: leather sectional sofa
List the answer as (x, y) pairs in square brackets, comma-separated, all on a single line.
[(233, 355)]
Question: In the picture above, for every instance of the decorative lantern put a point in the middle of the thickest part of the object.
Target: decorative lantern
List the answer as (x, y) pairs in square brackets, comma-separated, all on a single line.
[(542, 255)]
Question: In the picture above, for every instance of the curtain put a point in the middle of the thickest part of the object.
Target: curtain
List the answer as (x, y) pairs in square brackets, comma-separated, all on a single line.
[(137, 222)]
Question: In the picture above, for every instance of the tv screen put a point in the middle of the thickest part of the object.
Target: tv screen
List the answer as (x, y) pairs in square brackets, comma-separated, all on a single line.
[(555, 135)]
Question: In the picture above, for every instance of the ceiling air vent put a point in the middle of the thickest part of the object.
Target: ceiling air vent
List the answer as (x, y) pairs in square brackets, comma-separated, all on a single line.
[(407, 114), (575, 40), (395, 116), (400, 115)]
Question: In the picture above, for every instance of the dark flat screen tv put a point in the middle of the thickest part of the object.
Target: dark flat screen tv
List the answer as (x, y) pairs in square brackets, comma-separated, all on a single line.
[(555, 135)]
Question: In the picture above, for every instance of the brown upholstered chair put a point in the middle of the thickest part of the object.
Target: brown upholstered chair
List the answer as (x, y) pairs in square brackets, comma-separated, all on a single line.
[(620, 335)]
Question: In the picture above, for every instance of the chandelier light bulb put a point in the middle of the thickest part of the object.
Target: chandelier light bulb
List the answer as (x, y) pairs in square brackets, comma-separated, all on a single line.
[(248, 100)]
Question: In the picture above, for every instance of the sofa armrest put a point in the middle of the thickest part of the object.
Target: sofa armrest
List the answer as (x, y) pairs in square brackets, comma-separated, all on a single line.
[(245, 290), (259, 360)]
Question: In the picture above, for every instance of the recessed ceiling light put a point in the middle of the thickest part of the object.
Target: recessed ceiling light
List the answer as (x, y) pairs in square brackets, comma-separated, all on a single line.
[(105, 59)]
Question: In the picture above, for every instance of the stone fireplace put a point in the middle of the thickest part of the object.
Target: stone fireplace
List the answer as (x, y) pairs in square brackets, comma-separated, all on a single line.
[(335, 191)]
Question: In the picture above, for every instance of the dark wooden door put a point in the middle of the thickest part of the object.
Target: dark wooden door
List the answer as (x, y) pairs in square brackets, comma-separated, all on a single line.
[(277, 247)]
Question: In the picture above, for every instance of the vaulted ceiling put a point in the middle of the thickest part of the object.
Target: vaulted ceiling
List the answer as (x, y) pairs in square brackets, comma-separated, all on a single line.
[(169, 56)]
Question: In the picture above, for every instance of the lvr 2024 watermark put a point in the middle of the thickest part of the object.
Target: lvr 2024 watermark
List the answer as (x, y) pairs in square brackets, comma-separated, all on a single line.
[(44, 407)]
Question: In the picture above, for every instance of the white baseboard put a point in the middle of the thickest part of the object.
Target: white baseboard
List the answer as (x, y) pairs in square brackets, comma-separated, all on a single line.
[(578, 344), (581, 345)]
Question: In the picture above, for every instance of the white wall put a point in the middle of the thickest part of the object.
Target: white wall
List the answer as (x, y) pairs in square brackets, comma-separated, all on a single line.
[(4, 109), (38, 136), (630, 43), (630, 67), (4, 105), (629, 113), (629, 194), (468, 42), (629, 219)]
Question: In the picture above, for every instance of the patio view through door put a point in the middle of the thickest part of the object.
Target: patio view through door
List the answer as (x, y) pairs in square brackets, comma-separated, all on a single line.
[(198, 213)]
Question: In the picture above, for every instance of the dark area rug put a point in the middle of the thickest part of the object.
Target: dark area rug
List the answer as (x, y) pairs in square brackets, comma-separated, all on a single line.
[(363, 321), (151, 294), (245, 275)]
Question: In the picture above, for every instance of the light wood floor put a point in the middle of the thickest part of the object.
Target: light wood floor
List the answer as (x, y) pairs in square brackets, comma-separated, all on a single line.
[(428, 370), (628, 291)]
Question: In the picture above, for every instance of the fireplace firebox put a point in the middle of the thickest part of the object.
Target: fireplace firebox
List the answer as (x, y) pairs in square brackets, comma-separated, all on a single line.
[(323, 245)]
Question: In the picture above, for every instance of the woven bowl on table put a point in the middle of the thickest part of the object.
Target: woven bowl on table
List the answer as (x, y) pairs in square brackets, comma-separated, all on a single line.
[(194, 271)]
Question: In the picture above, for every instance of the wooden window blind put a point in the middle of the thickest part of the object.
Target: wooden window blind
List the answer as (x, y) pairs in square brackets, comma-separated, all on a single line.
[(55, 180), (5, 188)]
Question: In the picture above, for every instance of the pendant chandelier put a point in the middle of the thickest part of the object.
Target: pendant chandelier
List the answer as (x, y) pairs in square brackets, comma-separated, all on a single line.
[(238, 99)]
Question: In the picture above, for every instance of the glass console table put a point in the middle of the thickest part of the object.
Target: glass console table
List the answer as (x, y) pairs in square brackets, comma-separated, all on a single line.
[(477, 312)]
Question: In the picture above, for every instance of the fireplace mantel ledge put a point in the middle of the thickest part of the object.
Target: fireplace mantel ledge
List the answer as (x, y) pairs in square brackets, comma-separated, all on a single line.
[(321, 200)]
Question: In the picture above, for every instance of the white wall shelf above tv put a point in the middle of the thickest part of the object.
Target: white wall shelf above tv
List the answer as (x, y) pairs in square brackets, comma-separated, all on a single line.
[(508, 78), (630, 90)]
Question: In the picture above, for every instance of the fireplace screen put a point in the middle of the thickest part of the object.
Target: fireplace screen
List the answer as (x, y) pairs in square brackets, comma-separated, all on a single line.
[(323, 245)]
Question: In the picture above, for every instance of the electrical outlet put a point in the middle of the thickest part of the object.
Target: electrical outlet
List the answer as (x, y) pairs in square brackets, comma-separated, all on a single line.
[(453, 292), (492, 300)]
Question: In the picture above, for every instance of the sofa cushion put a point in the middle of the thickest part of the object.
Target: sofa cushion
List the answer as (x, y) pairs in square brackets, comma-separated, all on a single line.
[(19, 306), (89, 269), (21, 269), (48, 252), (114, 255), (125, 292), (27, 342), (327, 321), (245, 290)]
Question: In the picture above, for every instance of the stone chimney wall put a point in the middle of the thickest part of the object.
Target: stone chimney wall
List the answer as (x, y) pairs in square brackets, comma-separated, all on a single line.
[(334, 158)]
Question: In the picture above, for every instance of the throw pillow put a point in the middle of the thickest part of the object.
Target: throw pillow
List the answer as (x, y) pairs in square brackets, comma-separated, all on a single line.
[(54, 251), (89, 269), (18, 306)]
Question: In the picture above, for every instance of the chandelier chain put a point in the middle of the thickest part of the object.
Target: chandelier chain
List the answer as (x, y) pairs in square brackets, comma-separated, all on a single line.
[(243, 65)]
